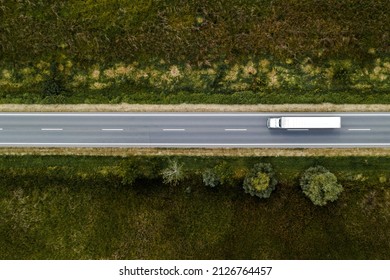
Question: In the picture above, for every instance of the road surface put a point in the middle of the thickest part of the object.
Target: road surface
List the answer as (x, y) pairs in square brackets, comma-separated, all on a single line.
[(186, 130)]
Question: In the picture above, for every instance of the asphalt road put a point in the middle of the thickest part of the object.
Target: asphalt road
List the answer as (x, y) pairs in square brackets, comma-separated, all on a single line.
[(186, 130)]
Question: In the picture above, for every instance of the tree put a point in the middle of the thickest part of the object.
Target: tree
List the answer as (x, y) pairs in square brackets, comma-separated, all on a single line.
[(173, 173), (211, 178), (320, 185), (260, 180)]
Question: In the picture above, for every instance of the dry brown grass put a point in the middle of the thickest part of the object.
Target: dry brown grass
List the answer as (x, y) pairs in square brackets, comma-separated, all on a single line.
[(124, 107), (124, 152)]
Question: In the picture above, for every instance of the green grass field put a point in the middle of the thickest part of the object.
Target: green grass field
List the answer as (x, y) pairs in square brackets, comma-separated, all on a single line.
[(61, 207), (195, 51)]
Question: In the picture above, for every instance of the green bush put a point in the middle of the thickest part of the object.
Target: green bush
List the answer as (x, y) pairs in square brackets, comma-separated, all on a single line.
[(260, 180), (320, 185), (211, 178), (224, 171)]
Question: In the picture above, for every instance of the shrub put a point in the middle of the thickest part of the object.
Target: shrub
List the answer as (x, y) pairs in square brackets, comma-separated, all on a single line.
[(260, 180), (211, 178), (320, 185), (225, 172), (173, 173)]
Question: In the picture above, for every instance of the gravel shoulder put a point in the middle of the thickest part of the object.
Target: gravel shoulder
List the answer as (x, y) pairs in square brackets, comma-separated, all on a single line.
[(325, 107), (206, 152)]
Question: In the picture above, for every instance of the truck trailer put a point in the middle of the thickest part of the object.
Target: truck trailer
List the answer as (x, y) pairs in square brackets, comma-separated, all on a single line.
[(304, 122)]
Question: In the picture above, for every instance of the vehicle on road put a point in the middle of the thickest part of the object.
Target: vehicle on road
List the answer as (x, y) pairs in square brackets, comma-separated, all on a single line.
[(304, 122)]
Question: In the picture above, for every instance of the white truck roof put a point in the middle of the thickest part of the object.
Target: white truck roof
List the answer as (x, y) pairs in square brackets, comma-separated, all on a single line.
[(310, 122)]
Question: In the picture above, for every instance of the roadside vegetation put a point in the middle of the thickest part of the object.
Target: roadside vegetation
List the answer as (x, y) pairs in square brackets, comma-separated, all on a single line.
[(260, 180), (197, 51), (184, 107), (320, 185), (83, 207), (198, 152)]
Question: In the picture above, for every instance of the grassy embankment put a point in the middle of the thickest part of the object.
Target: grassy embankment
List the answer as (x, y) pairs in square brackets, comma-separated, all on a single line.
[(197, 51), (61, 207)]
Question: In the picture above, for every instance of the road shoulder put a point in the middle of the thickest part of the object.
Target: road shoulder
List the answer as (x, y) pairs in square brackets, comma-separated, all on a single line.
[(324, 107)]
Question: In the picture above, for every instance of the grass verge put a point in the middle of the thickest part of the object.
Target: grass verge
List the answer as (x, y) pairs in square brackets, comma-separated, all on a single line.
[(208, 152), (76, 207)]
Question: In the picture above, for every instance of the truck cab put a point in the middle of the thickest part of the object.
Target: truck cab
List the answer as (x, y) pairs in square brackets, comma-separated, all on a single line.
[(274, 122)]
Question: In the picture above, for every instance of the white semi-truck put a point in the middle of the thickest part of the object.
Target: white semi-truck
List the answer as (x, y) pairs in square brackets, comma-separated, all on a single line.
[(304, 122)]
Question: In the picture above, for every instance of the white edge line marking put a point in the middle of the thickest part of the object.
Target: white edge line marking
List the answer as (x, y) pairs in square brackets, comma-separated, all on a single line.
[(302, 114), (201, 144), (363, 129), (173, 129), (1, 129), (235, 129), (51, 129), (112, 129), (298, 129)]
